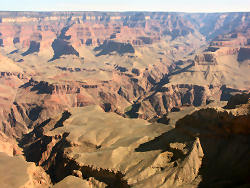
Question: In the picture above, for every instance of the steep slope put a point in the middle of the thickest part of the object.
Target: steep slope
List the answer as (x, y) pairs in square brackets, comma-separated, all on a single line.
[(224, 62), (105, 149), (201, 78), (130, 63), (212, 25), (11, 77), (224, 136), (132, 153)]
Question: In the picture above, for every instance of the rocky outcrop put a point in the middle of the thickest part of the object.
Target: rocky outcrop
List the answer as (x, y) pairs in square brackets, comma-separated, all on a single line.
[(92, 28), (212, 25), (144, 94), (9, 146), (189, 154), (231, 39), (66, 150), (17, 173), (222, 134), (72, 181), (10, 80), (165, 98)]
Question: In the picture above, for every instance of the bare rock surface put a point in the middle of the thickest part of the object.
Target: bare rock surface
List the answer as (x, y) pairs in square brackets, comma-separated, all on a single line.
[(133, 153), (17, 173), (72, 181), (107, 147)]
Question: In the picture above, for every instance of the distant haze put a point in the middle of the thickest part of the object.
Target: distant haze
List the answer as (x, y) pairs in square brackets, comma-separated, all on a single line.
[(127, 5)]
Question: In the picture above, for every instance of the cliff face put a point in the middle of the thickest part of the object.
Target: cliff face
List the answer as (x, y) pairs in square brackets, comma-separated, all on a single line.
[(196, 152), (38, 31), (223, 135), (140, 96), (89, 29), (129, 163)]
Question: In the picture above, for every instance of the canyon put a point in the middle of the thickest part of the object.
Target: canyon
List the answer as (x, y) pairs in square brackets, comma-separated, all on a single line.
[(124, 99)]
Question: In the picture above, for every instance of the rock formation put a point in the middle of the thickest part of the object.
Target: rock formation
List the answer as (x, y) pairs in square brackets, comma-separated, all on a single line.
[(133, 99), (17, 173), (132, 153)]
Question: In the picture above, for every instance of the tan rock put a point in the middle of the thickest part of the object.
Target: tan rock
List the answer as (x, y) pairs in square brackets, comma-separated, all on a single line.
[(15, 172), (72, 181)]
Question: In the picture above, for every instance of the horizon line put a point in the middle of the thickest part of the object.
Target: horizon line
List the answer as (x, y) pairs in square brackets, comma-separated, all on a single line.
[(123, 11)]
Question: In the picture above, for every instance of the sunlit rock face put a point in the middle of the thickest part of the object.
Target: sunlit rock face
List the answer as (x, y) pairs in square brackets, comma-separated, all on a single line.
[(74, 144), (24, 173)]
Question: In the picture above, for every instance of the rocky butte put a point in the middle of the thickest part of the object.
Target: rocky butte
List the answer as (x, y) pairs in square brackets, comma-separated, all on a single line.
[(124, 99)]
